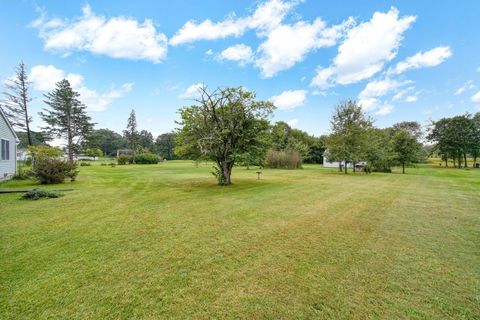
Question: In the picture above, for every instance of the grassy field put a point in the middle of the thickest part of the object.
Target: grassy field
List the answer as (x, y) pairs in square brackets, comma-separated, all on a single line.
[(164, 241)]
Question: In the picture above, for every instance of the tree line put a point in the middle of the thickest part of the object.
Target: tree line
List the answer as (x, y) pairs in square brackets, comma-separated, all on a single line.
[(230, 126), (456, 139)]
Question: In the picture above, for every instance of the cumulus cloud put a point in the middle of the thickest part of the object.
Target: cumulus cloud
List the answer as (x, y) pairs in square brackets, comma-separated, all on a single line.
[(476, 97), (292, 123), (117, 37), (466, 86), (405, 96), (430, 58), (365, 50), (368, 97), (283, 46), (264, 18), (240, 53), (191, 92), (384, 109), (289, 99), (287, 45), (44, 78)]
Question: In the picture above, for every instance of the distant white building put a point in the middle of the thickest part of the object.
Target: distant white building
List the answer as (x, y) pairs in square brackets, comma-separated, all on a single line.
[(8, 148), (335, 164)]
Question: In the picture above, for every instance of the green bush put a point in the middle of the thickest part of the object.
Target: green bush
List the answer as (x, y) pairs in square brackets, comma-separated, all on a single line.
[(85, 164), (146, 158), (288, 159), (22, 174), (122, 160), (36, 194), (50, 171)]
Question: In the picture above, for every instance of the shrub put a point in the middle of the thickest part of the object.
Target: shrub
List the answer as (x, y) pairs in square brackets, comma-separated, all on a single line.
[(146, 158), (36, 194), (43, 152), (122, 160), (50, 171), (288, 159), (94, 152), (22, 174), (85, 164)]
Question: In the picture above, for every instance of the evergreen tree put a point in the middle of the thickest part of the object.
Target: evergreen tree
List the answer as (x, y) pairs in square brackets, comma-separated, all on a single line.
[(131, 133), (17, 96), (66, 118)]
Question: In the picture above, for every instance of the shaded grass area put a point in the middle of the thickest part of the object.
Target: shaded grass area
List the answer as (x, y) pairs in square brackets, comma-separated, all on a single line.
[(163, 241)]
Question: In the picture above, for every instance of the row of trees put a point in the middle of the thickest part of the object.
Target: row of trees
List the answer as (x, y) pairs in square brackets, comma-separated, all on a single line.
[(354, 138), (456, 138)]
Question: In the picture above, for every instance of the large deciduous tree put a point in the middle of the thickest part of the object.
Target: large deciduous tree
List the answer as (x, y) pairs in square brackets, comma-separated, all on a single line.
[(66, 117), (145, 140), (406, 148), (17, 99), (349, 139), (107, 140), (165, 145), (222, 126)]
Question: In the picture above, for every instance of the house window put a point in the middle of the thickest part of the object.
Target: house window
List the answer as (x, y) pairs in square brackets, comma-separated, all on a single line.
[(5, 150)]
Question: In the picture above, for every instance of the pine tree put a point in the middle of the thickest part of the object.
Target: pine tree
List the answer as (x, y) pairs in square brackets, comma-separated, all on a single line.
[(131, 133), (17, 99), (66, 118)]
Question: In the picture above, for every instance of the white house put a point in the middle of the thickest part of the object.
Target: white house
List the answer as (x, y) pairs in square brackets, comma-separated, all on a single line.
[(335, 164), (8, 148)]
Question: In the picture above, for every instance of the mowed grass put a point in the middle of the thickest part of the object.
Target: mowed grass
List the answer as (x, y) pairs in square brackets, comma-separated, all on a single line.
[(163, 241)]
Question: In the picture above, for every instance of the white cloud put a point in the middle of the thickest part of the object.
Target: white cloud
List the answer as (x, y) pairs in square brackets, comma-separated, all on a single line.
[(370, 96), (292, 123), (45, 77), (376, 89), (117, 37), (266, 16), (466, 86), (411, 98), (379, 88), (289, 99), (384, 110), (288, 44), (402, 95), (365, 50), (240, 53), (476, 97), (209, 52), (191, 92), (430, 58)]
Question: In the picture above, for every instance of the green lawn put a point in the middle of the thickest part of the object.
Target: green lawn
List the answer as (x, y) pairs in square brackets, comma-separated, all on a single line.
[(164, 241)]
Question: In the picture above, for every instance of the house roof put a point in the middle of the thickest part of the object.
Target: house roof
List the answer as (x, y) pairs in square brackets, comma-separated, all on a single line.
[(9, 124)]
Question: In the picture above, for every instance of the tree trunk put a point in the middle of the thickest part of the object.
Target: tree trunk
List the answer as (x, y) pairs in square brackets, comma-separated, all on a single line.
[(446, 162), (403, 167), (340, 166), (70, 140), (465, 159), (345, 164), (354, 167), (227, 172)]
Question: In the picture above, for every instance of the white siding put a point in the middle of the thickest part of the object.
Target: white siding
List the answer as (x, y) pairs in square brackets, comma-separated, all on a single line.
[(335, 164), (7, 167)]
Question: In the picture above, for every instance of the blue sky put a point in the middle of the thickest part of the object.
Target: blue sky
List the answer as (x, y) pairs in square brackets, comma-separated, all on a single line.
[(403, 60)]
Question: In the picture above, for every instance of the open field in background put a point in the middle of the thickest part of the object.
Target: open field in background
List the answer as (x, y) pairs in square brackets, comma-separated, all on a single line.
[(164, 241)]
